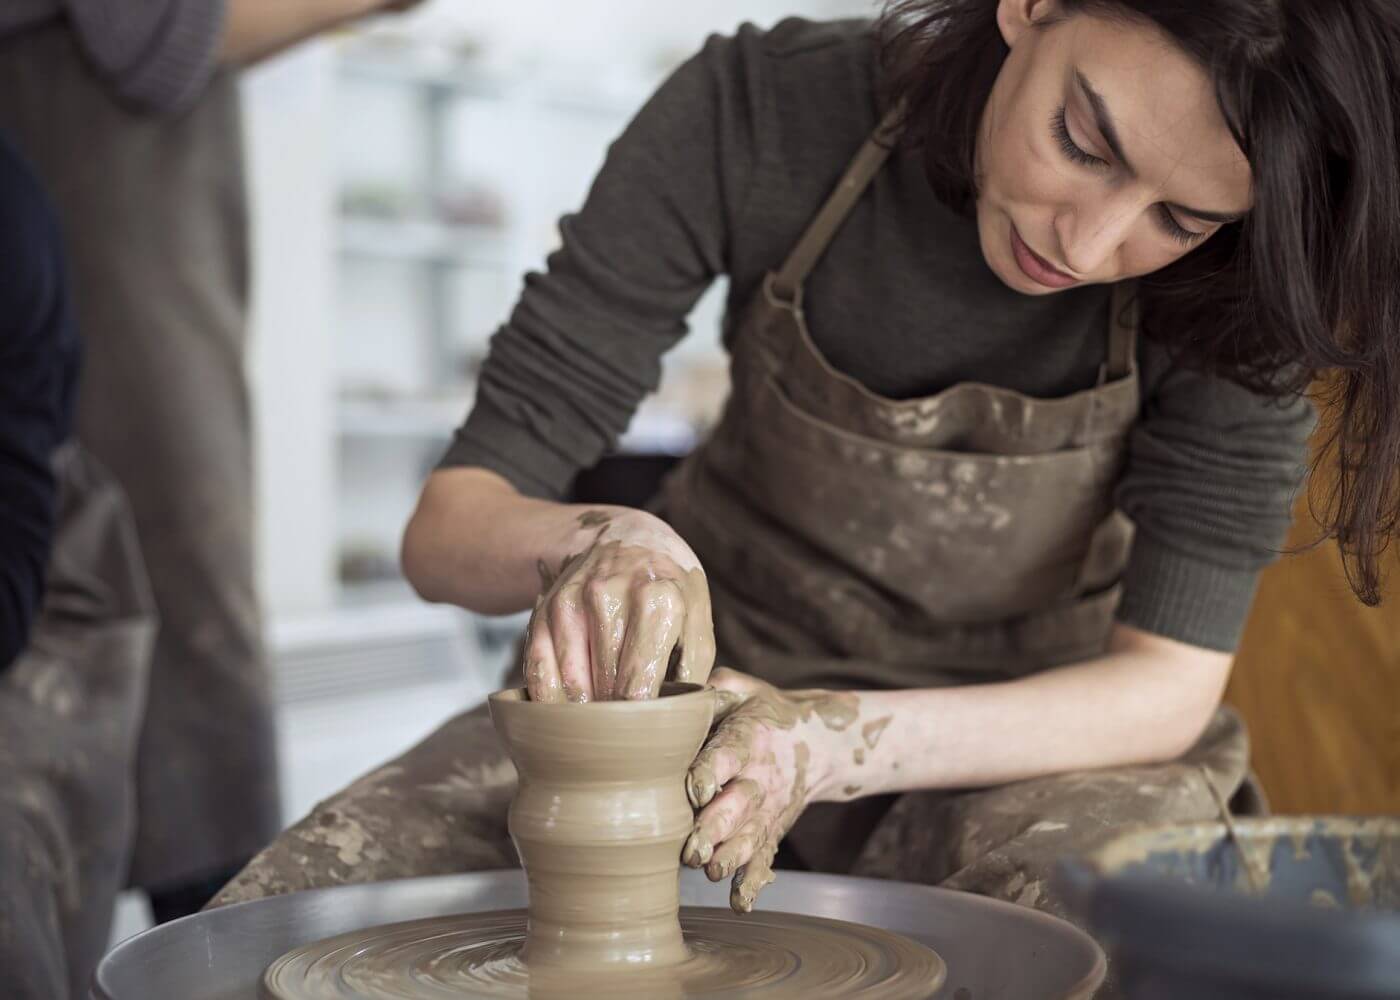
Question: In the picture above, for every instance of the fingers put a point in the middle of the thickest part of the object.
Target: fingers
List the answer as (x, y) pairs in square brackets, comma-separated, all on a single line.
[(654, 625), (541, 668), (737, 849), (751, 879), (568, 631), (697, 644), (725, 754), (729, 810), (607, 629), (735, 682)]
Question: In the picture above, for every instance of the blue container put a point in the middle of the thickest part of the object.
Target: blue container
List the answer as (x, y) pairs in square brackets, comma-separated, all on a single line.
[(1291, 908)]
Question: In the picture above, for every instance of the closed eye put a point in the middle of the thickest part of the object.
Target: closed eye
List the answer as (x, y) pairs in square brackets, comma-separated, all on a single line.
[(1175, 229), (1075, 154), (1068, 146)]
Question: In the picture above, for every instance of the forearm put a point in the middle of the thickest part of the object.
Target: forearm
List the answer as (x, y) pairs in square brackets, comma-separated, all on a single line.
[(256, 29), (1147, 699), (475, 541)]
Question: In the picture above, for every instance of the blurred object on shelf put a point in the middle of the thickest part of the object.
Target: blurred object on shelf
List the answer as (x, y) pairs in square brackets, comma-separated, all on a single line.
[(461, 64), (473, 205), (414, 239), (377, 201), (361, 562), (391, 414)]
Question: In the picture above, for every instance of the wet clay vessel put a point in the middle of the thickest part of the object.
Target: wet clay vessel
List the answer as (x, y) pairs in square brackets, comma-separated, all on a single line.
[(599, 820)]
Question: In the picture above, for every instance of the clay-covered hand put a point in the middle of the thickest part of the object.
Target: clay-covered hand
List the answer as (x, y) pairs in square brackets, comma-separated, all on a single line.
[(626, 607), (768, 757)]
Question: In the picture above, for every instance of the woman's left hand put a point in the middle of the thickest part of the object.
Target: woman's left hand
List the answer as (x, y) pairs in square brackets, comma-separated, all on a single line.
[(771, 754)]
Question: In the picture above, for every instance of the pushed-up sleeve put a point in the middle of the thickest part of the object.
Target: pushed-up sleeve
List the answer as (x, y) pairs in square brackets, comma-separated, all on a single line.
[(1211, 477), (156, 54)]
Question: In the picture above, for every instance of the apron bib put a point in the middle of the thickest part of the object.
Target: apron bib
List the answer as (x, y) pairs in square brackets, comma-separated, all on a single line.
[(851, 540)]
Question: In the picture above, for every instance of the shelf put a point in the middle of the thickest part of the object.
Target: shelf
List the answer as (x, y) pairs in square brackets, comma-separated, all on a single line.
[(459, 80), (444, 79), (428, 419), (653, 431), (421, 241)]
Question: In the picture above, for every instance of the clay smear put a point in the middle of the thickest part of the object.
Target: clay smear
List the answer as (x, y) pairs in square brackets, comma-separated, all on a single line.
[(637, 610), (779, 956), (744, 719)]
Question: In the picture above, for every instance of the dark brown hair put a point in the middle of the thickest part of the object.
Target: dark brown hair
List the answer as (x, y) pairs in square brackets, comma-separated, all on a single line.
[(1305, 290)]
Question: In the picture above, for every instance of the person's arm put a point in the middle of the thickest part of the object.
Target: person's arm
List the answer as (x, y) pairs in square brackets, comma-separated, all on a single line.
[(1147, 699), (256, 29), (38, 368), (159, 55), (563, 378)]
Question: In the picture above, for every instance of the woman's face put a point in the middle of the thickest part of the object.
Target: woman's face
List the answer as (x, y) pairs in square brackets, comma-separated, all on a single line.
[(1102, 153)]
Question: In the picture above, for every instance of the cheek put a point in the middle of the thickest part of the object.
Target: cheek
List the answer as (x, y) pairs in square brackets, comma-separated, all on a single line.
[(1020, 170)]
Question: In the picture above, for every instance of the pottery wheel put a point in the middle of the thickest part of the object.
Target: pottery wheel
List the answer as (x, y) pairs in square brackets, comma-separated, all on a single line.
[(477, 955)]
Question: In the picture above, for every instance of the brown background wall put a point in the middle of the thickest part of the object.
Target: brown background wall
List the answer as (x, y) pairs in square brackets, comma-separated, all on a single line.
[(1318, 680)]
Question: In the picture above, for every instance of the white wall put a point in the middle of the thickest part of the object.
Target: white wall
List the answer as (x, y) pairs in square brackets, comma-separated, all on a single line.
[(288, 138)]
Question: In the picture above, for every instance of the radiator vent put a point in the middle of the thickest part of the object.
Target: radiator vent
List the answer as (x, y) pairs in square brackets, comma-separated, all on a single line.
[(365, 649)]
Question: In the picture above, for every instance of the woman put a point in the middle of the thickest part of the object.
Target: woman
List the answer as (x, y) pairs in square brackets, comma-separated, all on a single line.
[(912, 529)]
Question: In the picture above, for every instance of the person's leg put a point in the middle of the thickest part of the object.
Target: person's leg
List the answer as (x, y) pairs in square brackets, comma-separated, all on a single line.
[(1006, 841), (438, 809), (70, 708)]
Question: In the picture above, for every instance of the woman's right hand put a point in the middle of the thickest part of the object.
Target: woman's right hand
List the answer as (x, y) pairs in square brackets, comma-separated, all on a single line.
[(617, 613)]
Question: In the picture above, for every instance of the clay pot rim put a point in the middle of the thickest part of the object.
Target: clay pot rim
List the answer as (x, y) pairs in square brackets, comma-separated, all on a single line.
[(671, 693)]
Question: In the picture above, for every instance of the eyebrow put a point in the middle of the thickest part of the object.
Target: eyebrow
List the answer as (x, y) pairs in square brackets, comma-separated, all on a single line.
[(1103, 119)]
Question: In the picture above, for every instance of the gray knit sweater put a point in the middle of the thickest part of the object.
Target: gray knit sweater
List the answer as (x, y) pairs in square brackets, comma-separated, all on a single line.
[(157, 54), (718, 174)]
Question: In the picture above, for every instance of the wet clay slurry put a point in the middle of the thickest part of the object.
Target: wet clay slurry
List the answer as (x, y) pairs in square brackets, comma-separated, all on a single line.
[(780, 956), (599, 821)]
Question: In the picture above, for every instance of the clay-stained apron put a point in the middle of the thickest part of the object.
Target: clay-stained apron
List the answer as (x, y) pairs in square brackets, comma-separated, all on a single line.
[(856, 541), (852, 540)]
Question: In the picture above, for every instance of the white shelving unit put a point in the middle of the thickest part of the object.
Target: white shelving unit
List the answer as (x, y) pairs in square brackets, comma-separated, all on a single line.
[(398, 407), (421, 241), (365, 323)]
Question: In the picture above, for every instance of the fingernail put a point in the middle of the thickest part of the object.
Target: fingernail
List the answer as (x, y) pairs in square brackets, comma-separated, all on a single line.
[(740, 899), (700, 789), (697, 850)]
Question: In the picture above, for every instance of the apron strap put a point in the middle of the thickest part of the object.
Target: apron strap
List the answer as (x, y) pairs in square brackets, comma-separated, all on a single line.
[(1122, 332), (787, 284)]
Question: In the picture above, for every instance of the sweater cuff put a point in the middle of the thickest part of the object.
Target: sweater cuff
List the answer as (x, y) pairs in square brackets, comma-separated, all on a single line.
[(1182, 597), (490, 440), (170, 70)]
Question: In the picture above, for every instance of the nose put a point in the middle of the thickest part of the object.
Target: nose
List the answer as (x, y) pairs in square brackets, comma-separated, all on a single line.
[(1091, 233)]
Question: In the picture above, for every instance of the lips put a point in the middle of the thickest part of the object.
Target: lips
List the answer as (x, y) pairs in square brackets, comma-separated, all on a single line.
[(1035, 266)]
